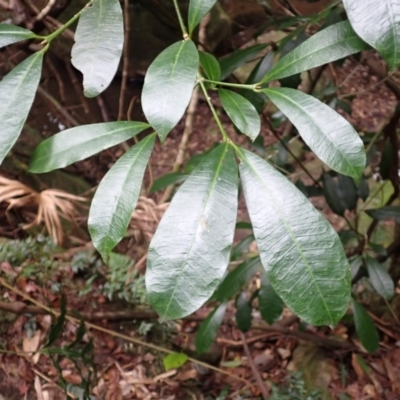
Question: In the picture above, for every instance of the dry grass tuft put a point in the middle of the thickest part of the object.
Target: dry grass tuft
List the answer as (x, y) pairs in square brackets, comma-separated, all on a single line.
[(50, 205)]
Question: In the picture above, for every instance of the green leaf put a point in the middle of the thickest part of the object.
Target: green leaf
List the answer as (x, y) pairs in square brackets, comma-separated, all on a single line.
[(333, 195), (363, 189), (270, 304), (99, 39), (12, 34), (332, 43), (210, 66), (385, 213), (300, 251), (17, 92), (236, 279), (328, 134), (365, 327), (237, 58), (377, 22), (380, 279), (190, 250), (174, 360), (116, 197), (167, 180), (81, 142), (209, 328), (168, 86), (242, 113), (355, 266), (198, 9), (242, 247), (243, 312)]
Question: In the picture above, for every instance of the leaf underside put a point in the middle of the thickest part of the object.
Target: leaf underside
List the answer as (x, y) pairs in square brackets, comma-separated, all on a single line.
[(300, 251)]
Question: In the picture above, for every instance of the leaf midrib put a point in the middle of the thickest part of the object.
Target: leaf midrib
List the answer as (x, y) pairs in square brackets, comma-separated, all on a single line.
[(291, 234)]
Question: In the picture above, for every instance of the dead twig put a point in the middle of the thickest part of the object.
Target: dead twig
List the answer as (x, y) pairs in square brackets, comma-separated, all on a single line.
[(125, 62)]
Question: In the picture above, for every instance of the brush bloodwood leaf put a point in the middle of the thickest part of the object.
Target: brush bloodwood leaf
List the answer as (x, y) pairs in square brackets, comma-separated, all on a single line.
[(365, 327), (327, 133), (242, 113), (116, 197), (81, 142), (12, 34), (210, 66), (377, 22), (99, 39), (190, 250), (331, 44), (380, 279), (198, 9), (209, 328), (300, 251), (168, 86), (17, 92), (270, 304)]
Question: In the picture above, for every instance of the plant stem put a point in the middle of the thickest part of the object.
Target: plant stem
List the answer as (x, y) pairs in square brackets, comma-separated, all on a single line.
[(62, 28), (214, 112), (235, 85), (181, 23)]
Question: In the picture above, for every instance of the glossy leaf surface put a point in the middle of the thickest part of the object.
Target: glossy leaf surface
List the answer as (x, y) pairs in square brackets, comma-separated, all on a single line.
[(377, 22), (116, 197), (384, 213), (17, 92), (198, 9), (210, 66), (209, 328), (12, 34), (236, 279), (328, 134), (190, 250), (270, 304), (99, 39), (365, 327), (300, 251), (332, 43), (242, 113), (237, 58), (78, 143), (380, 279), (168, 86)]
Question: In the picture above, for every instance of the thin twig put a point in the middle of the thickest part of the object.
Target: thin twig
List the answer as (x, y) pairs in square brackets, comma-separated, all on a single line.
[(45, 10), (260, 383), (125, 62)]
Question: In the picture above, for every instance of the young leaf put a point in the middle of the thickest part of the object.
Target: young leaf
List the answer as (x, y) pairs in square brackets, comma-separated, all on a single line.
[(378, 23), (385, 213), (168, 86), (198, 9), (328, 134), (380, 279), (78, 143), (236, 279), (12, 34), (116, 197), (190, 250), (270, 304), (241, 112), (237, 58), (300, 251), (209, 328), (17, 92), (365, 327), (210, 66), (99, 39), (243, 312), (332, 43), (174, 360)]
